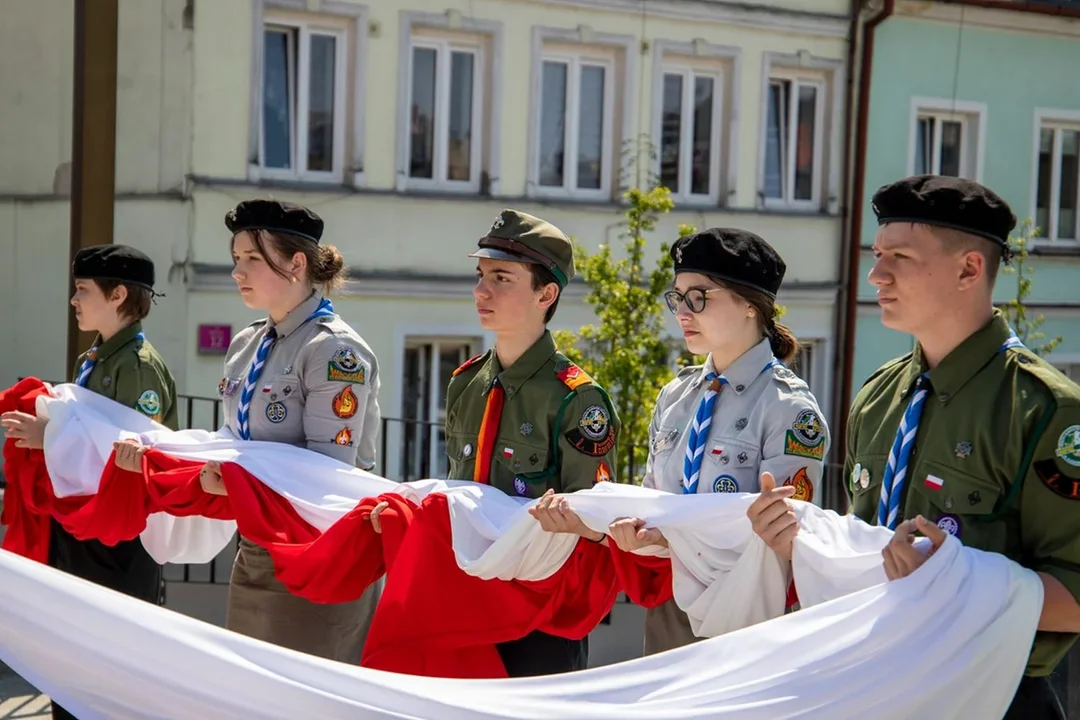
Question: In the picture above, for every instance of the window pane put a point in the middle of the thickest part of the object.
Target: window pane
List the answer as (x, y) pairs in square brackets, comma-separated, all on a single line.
[(591, 127), (951, 137), (278, 65), (670, 132), (804, 143), (422, 125), (321, 103), (553, 124), (414, 407), (775, 139), (1042, 194), (701, 166), (924, 141), (459, 162), (1070, 146)]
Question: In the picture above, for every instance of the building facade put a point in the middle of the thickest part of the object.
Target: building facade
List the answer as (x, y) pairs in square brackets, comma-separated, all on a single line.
[(990, 94), (408, 127)]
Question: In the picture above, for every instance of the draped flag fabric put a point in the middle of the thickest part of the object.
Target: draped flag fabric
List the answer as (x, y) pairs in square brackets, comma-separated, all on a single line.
[(467, 567)]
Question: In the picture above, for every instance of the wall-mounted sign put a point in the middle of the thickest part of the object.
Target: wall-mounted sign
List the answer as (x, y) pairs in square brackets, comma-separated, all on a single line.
[(214, 339)]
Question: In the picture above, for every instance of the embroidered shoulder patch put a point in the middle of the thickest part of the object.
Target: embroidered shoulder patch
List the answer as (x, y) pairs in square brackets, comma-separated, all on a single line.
[(593, 434), (149, 403), (573, 377), (467, 364), (804, 489), (345, 403), (808, 428), (346, 366), (794, 446), (1065, 485)]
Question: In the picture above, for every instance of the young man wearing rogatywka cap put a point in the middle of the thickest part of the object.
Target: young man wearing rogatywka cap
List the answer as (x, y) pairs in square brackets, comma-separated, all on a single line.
[(995, 459), (500, 406), (113, 292)]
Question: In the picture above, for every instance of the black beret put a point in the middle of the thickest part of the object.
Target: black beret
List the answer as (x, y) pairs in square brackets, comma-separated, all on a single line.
[(114, 262), (730, 255), (948, 202), (275, 216)]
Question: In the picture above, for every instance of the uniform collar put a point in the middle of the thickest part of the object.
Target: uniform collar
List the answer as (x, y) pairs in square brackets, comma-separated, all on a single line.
[(746, 368), (109, 347), (296, 316), (513, 377), (965, 360)]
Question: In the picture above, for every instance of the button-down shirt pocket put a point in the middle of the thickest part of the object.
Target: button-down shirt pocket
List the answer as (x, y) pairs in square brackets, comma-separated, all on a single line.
[(277, 411), (517, 458), (730, 465), (665, 459), (461, 452), (960, 503)]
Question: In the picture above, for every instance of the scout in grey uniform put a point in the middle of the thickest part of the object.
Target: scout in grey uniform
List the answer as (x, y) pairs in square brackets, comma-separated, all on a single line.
[(717, 427), (306, 379)]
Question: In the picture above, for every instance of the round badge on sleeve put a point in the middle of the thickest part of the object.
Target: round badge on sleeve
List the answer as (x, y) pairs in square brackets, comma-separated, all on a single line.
[(950, 524), (1068, 445), (725, 484)]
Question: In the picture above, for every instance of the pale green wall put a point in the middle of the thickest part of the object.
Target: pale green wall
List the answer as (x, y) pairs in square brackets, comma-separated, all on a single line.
[(1012, 74)]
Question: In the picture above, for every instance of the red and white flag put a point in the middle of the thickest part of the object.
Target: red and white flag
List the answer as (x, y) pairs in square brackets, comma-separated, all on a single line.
[(451, 552), (934, 482)]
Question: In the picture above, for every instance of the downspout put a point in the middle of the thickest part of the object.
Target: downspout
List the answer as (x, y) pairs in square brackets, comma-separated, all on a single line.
[(855, 191)]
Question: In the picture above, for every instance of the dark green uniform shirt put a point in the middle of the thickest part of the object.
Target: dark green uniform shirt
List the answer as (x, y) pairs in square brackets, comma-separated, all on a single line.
[(558, 433), (996, 460), (131, 372)]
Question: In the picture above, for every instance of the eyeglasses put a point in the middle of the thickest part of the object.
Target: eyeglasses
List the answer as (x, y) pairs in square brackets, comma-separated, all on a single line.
[(694, 299)]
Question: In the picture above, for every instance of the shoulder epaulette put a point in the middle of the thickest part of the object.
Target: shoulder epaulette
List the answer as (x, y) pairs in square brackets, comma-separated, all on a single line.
[(689, 370), (468, 364), (572, 376), (887, 366)]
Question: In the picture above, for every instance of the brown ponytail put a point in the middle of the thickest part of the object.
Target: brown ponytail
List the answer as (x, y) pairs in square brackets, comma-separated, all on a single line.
[(785, 345)]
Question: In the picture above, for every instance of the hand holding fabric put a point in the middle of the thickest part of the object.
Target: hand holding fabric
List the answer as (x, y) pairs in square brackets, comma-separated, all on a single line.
[(901, 556), (773, 518), (630, 534)]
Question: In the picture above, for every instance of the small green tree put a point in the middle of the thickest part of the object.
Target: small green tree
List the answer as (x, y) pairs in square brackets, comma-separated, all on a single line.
[(1016, 309), (626, 349)]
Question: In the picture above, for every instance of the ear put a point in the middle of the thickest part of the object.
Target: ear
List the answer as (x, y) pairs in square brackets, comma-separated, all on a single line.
[(299, 264), (548, 295), (118, 295), (972, 269)]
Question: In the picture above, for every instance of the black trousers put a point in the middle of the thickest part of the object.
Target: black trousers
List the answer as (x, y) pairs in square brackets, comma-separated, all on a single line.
[(125, 567), (541, 654), (1035, 699)]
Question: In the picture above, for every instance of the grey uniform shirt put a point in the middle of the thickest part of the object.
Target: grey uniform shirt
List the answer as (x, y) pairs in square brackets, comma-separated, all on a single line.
[(319, 388), (762, 422)]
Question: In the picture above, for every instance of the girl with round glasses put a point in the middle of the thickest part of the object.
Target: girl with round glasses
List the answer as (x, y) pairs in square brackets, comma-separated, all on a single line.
[(742, 422)]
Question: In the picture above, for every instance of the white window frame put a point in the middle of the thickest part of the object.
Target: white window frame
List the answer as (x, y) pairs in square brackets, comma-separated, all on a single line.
[(971, 115), (1053, 119), (719, 61), (576, 48), (444, 48), (788, 181), (828, 73), (938, 118), (419, 335), (689, 75), (484, 37), (347, 22)]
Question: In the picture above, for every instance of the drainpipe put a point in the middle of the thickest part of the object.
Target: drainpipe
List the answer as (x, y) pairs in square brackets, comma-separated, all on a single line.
[(855, 193)]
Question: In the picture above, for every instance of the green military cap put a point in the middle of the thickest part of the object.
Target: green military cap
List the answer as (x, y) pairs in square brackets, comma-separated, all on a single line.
[(518, 237)]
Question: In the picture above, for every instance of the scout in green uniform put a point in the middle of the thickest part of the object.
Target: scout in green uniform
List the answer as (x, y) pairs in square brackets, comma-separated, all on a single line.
[(113, 292), (994, 458), (522, 417)]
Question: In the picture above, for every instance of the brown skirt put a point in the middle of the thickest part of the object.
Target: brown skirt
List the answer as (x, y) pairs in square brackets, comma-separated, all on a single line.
[(261, 607), (667, 628)]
